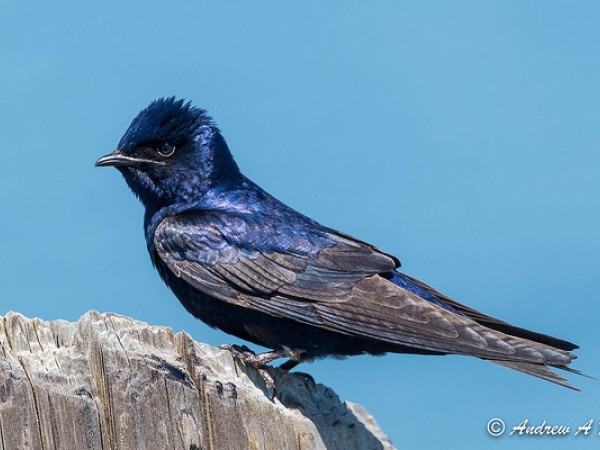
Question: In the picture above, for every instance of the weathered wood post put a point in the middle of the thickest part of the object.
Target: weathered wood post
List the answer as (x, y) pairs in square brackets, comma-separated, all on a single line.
[(109, 382)]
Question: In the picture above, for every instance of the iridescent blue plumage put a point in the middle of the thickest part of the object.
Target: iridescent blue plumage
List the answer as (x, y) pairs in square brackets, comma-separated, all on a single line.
[(165, 119), (242, 261)]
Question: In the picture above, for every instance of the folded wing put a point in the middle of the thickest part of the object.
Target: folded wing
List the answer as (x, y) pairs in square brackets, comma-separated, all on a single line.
[(330, 280)]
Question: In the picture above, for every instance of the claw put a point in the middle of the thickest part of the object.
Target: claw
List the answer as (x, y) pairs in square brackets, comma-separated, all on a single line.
[(260, 361)]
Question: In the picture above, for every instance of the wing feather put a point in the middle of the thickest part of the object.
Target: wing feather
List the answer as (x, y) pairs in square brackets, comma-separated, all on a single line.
[(333, 283)]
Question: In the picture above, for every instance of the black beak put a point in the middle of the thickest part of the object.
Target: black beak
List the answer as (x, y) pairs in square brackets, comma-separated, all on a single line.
[(119, 159), (116, 159)]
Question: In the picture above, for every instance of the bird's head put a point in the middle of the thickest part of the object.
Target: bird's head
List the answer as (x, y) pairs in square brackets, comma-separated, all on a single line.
[(172, 153)]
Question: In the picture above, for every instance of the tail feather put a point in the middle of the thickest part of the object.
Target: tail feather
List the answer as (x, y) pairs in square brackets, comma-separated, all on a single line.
[(491, 322), (531, 352), (577, 372), (541, 371)]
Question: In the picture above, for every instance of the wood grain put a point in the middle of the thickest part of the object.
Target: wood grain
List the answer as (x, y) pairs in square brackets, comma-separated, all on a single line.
[(110, 382)]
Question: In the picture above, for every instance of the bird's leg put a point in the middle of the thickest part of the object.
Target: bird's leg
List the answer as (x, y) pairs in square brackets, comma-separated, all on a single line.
[(293, 362), (259, 361), (289, 364)]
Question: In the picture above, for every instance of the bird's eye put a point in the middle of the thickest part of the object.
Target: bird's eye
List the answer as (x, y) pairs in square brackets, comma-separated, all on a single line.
[(166, 149)]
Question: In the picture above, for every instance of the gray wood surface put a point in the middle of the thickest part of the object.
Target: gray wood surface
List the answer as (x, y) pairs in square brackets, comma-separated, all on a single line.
[(110, 382)]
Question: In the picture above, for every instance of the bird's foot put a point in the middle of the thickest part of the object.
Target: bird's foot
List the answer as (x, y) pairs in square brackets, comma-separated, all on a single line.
[(259, 361), (247, 356), (238, 351)]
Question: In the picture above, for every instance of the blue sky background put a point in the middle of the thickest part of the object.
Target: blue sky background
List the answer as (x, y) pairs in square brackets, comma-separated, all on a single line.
[(462, 137)]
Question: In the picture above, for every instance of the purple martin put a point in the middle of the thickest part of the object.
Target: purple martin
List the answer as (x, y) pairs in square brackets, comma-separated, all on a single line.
[(242, 261)]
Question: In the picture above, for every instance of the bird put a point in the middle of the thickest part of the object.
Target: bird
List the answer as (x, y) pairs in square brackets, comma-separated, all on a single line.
[(244, 262)]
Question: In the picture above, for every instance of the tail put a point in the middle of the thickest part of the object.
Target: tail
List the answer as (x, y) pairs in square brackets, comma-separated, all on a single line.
[(542, 371), (556, 353)]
